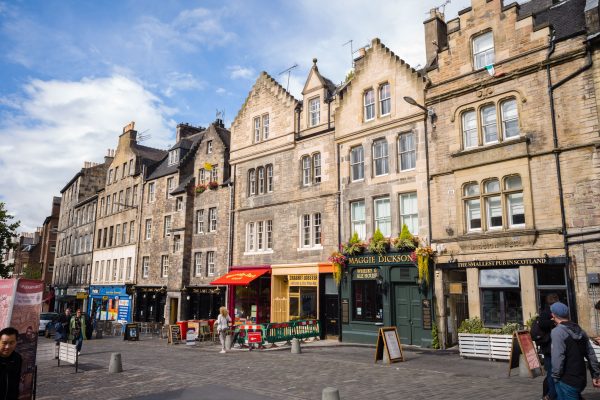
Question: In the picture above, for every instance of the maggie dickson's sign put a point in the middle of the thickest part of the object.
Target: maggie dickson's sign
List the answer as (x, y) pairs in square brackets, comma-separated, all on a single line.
[(380, 259)]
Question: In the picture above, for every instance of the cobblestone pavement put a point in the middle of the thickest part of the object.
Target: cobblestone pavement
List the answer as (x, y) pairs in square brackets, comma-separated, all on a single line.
[(155, 370)]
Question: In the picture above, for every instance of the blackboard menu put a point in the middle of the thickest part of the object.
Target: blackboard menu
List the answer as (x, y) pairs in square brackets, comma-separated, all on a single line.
[(174, 334), (132, 332), (426, 311), (345, 311)]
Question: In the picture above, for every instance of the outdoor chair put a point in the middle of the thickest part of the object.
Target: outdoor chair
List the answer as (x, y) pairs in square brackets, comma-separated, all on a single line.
[(204, 332)]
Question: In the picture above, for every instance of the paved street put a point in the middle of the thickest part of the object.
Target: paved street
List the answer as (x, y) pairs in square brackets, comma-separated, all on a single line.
[(155, 370)]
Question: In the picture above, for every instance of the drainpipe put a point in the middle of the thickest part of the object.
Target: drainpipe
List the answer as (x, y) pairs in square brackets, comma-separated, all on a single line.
[(230, 231), (556, 151), (339, 222)]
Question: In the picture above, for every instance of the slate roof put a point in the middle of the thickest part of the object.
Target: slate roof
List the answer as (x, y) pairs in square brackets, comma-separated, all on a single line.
[(162, 168), (567, 17)]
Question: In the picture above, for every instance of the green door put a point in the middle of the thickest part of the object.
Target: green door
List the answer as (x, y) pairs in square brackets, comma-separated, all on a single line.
[(409, 320)]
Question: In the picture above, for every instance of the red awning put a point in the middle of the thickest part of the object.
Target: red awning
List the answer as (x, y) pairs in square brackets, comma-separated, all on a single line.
[(240, 277)]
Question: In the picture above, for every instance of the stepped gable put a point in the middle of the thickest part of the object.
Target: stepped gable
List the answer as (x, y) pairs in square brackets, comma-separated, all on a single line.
[(377, 45), (265, 78)]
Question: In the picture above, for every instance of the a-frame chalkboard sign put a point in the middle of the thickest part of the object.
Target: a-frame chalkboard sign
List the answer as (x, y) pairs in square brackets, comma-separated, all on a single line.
[(523, 344), (388, 341), (174, 334)]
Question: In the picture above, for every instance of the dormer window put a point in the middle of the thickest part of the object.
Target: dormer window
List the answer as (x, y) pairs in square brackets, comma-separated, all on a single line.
[(483, 50), (173, 157), (314, 106)]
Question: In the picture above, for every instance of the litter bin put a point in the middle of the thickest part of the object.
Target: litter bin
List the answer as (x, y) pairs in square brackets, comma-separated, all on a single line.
[(183, 327)]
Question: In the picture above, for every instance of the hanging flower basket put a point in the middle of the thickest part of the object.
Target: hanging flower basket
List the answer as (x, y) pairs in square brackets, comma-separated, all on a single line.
[(201, 188), (422, 256), (212, 185), (339, 262)]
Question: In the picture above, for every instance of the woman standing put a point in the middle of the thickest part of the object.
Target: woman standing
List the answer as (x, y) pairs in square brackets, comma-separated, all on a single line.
[(223, 321), (77, 331)]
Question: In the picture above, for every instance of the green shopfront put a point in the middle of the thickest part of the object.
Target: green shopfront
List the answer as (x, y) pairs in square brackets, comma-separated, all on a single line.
[(383, 290)]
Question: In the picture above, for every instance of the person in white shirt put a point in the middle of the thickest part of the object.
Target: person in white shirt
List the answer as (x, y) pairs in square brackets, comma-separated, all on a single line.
[(223, 321)]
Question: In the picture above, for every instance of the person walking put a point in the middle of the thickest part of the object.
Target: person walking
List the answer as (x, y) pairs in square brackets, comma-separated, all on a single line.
[(546, 324), (223, 321), (570, 347), (10, 364), (65, 320), (77, 330)]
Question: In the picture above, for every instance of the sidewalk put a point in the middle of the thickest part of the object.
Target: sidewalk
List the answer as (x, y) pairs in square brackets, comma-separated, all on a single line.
[(155, 370)]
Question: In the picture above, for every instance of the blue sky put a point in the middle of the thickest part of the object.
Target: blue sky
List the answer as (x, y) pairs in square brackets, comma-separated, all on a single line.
[(73, 73)]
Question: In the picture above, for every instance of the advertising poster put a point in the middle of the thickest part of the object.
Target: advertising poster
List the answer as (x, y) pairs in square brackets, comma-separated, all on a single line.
[(7, 291), (123, 310)]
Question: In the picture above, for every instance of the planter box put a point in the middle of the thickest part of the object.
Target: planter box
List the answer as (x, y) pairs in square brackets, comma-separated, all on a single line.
[(479, 345)]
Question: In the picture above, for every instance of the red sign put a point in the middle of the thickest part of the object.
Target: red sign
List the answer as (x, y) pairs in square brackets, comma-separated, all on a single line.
[(254, 337), (241, 277)]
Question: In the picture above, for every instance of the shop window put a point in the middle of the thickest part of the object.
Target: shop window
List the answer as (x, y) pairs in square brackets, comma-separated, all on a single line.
[(303, 302), (357, 163), (357, 219), (500, 296), (367, 304), (551, 280)]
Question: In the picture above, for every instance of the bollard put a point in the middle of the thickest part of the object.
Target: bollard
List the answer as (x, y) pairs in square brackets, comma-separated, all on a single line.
[(330, 393), (228, 342), (115, 363), (295, 346)]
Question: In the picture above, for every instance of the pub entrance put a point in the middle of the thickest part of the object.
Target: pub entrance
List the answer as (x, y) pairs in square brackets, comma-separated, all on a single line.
[(409, 319)]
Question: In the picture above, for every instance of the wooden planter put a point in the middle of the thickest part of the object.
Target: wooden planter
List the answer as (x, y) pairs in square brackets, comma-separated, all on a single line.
[(480, 345)]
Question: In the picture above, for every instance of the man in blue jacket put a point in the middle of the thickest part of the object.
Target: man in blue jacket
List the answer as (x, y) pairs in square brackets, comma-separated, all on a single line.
[(570, 347)]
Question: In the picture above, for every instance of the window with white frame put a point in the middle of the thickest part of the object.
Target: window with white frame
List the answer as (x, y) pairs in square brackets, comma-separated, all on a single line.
[(115, 270), (209, 147), (128, 271), (96, 270), (383, 217), (176, 243), (164, 266), (311, 169), (409, 212), (316, 167), (250, 236), (198, 264), (265, 126), (269, 169), (170, 186), (305, 170), (510, 119), (202, 176), (210, 263), (483, 50), (151, 192), (131, 232), (179, 203), (173, 157), (261, 180), (128, 197), (125, 233), (269, 225), (513, 192), (259, 236), (493, 204), (380, 157), (469, 129), (199, 221), (256, 129), (116, 177), (311, 230), (121, 268), (488, 124), (407, 151), (117, 234), (148, 229), (357, 163), (135, 195), (145, 266), (385, 101), (472, 203), (252, 182), (369, 105), (167, 226), (357, 219), (214, 173), (212, 219), (314, 110)]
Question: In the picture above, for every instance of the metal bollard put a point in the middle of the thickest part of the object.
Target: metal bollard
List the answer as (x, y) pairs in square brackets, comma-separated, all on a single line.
[(115, 365), (330, 393), (295, 346)]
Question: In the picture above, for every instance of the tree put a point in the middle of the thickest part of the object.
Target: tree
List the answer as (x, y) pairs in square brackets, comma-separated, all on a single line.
[(32, 271), (7, 234)]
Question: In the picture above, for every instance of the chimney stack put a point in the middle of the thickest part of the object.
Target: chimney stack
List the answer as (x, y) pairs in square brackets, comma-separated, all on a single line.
[(436, 36)]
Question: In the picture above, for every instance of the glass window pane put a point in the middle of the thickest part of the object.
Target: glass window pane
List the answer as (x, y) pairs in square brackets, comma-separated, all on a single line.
[(471, 189), (473, 215), (488, 121), (510, 119), (551, 276), (508, 277), (492, 186), (516, 210), (491, 313), (513, 182), (469, 129), (383, 220), (494, 212)]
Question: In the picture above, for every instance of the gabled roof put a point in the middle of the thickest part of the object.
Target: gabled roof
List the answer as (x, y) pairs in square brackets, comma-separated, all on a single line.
[(269, 81), (328, 84), (163, 168)]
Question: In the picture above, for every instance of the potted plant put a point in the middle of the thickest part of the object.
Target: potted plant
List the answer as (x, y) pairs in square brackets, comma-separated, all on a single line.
[(213, 185), (201, 188), (339, 262), (405, 241), (423, 255), (475, 340), (378, 243), (353, 246)]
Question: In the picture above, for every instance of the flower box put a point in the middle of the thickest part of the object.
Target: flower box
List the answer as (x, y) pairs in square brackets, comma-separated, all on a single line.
[(213, 185), (201, 188), (481, 345)]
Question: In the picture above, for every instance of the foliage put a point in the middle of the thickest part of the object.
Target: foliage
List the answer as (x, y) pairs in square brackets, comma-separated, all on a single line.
[(32, 271), (435, 340), (475, 325), (423, 255), (212, 185), (201, 188), (349, 75), (7, 234), (529, 322), (378, 243), (339, 261), (405, 241), (354, 246)]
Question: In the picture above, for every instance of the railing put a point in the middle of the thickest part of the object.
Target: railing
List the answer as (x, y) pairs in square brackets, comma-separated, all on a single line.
[(278, 331)]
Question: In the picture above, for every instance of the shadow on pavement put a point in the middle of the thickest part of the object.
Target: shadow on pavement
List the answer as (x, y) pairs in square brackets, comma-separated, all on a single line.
[(209, 392)]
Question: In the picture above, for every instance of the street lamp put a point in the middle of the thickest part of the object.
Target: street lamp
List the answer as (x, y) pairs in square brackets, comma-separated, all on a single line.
[(430, 111)]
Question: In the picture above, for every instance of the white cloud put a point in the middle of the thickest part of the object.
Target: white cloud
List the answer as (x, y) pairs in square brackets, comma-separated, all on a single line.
[(239, 72), (220, 91), (61, 124), (177, 81)]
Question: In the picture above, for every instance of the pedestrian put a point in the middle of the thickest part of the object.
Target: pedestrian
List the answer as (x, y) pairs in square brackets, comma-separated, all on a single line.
[(223, 321), (77, 330), (570, 347), (596, 339), (545, 324), (10, 364), (65, 320)]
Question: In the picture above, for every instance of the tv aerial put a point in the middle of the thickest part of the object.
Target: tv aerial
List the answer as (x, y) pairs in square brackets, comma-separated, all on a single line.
[(289, 71)]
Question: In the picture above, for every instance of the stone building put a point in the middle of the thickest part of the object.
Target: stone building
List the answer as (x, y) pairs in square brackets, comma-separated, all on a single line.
[(27, 253), (48, 234), (514, 167), (380, 141), (73, 260), (285, 208), (117, 227), (184, 229)]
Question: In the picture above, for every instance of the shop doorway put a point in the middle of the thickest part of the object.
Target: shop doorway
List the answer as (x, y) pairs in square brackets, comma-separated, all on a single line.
[(173, 310), (409, 315), (330, 319)]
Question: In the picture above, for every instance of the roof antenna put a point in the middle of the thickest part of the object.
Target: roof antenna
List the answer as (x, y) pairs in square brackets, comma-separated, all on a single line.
[(442, 7), (351, 52), (289, 71), (141, 137)]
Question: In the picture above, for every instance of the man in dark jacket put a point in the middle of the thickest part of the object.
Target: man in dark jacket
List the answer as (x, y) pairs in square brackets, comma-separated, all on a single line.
[(546, 324), (65, 320), (570, 347), (10, 365)]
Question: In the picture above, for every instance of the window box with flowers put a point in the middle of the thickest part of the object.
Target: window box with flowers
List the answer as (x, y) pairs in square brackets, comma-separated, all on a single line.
[(201, 188), (212, 185)]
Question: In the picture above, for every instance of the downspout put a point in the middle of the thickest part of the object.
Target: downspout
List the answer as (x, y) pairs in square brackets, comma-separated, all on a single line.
[(556, 150), (339, 213), (230, 229)]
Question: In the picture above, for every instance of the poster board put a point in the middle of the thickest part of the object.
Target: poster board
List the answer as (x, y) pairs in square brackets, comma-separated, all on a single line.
[(132, 332), (174, 334), (388, 341), (195, 326), (522, 343)]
